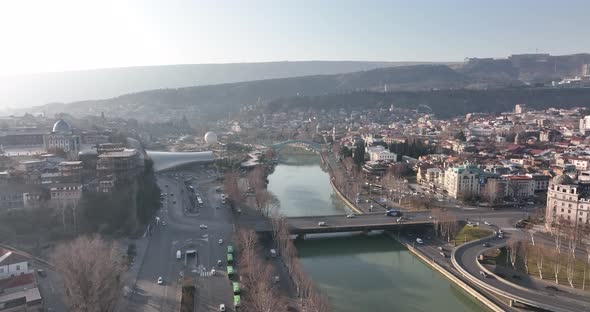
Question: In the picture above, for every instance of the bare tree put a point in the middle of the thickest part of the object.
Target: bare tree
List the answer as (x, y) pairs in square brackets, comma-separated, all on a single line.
[(556, 265), (513, 246), (570, 269), (91, 271), (524, 253), (540, 255)]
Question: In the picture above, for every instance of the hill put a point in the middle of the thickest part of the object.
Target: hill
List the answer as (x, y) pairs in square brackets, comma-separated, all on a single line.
[(217, 100), (19, 91)]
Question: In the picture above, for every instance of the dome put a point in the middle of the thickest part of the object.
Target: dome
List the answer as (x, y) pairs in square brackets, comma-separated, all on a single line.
[(61, 126), (210, 137), (562, 179)]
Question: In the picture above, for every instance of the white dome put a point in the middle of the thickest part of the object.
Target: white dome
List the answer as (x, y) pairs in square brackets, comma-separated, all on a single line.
[(61, 126), (210, 137)]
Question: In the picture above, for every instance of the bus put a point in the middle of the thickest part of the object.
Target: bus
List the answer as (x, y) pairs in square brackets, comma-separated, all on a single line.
[(236, 287), (236, 301), (230, 249), (200, 201), (230, 258), (230, 271)]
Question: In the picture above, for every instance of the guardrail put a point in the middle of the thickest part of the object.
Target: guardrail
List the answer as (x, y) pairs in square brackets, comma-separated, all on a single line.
[(486, 286)]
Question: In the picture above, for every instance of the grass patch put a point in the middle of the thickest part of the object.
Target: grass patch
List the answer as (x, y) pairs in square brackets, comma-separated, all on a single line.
[(549, 261), (469, 233)]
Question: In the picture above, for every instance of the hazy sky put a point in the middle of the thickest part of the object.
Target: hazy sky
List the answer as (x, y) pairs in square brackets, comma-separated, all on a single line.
[(58, 35)]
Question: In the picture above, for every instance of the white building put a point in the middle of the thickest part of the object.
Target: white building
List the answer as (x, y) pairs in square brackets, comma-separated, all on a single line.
[(585, 124), (567, 201), (61, 138), (379, 153), (462, 181), (12, 264)]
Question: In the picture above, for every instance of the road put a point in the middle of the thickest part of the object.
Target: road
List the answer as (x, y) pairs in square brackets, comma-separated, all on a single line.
[(182, 232), (467, 259), (369, 221)]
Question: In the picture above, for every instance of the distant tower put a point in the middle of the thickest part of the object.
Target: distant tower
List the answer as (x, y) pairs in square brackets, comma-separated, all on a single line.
[(520, 108)]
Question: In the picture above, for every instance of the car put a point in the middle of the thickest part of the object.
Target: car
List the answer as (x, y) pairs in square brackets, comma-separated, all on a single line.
[(219, 263), (41, 272), (482, 273), (440, 248), (322, 223), (500, 231), (442, 254), (500, 235), (350, 215), (160, 281), (171, 194), (202, 226), (486, 244), (487, 223), (163, 223), (551, 287), (400, 219), (419, 241), (212, 271), (174, 202), (222, 307), (220, 241), (216, 207), (277, 279)]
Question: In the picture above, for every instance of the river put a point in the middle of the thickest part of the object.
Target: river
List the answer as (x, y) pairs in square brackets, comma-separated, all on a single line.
[(358, 272)]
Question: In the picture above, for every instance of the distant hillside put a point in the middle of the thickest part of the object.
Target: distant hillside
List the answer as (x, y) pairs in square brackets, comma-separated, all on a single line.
[(32, 90), (444, 103), (528, 67), (218, 100)]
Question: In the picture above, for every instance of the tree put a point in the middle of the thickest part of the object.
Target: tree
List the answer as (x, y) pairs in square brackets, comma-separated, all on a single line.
[(460, 136), (91, 270), (570, 269), (512, 249), (540, 255), (359, 153)]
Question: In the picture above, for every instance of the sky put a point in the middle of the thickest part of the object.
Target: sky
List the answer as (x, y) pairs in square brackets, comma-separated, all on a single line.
[(62, 35)]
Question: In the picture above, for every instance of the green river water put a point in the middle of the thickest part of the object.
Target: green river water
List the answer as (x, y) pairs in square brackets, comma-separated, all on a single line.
[(358, 272)]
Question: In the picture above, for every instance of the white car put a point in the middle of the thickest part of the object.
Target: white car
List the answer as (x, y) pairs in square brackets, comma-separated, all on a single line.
[(350, 215), (160, 281), (487, 223), (220, 241), (419, 241), (222, 307), (202, 226), (321, 223)]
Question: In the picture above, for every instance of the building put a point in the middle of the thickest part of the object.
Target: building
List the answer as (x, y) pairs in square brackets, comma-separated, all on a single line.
[(61, 138), (585, 124), (13, 264), (520, 108), (541, 181), (18, 289), (123, 163), (520, 186), (64, 194), (380, 153), (462, 181), (567, 201), (16, 196)]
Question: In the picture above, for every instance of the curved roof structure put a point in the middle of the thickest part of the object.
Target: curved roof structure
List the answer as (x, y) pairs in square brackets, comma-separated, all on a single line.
[(61, 126), (168, 160)]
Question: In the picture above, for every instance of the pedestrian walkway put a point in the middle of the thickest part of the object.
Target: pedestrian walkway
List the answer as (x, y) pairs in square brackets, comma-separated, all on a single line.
[(130, 276), (206, 274)]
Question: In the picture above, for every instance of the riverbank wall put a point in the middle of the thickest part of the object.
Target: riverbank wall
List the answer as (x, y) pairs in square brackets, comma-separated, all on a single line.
[(345, 200), (485, 301)]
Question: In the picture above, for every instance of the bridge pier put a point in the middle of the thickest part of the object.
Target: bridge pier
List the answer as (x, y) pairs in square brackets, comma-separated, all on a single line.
[(300, 237)]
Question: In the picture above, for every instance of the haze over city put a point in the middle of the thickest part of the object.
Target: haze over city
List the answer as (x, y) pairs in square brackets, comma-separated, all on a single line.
[(294, 156)]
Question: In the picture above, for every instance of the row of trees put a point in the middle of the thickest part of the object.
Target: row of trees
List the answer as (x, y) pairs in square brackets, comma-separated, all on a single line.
[(445, 224)]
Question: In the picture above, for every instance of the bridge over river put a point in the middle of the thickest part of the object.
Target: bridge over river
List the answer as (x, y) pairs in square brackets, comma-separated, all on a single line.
[(341, 223)]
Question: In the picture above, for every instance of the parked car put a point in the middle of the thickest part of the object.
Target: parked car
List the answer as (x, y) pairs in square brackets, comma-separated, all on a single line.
[(160, 281), (419, 241), (202, 226), (220, 241), (322, 223), (222, 307), (219, 263)]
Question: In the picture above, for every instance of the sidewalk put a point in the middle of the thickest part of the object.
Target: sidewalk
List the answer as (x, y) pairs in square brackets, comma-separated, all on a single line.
[(131, 275)]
